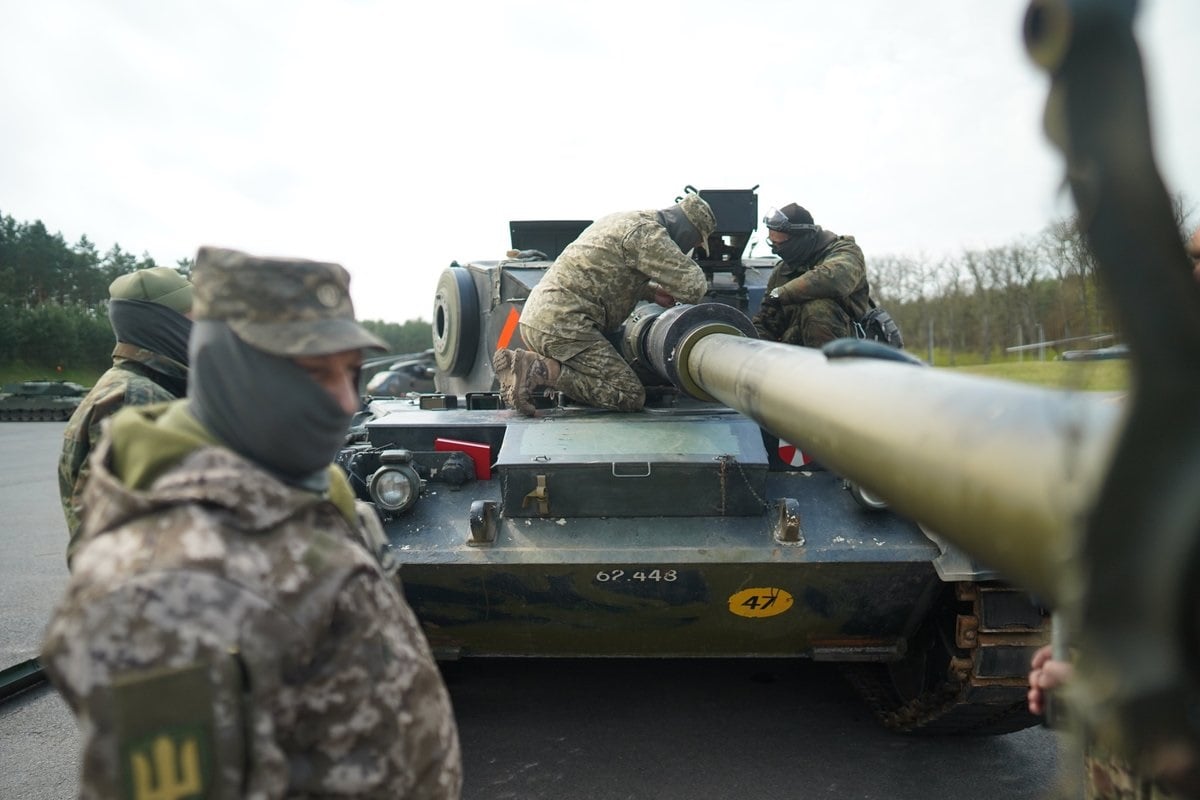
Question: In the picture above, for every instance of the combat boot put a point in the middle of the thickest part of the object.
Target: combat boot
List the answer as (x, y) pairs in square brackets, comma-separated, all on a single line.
[(521, 373)]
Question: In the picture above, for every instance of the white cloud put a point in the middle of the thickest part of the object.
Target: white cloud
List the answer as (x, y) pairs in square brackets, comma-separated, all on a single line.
[(396, 137)]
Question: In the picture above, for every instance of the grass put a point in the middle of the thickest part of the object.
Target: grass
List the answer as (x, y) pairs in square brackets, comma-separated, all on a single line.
[(1093, 376), (15, 373)]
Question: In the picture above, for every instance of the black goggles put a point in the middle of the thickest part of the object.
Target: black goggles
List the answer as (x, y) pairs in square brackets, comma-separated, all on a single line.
[(776, 220)]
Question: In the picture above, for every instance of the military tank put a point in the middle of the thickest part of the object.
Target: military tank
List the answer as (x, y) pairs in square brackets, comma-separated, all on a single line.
[(39, 400), (690, 529), (413, 372)]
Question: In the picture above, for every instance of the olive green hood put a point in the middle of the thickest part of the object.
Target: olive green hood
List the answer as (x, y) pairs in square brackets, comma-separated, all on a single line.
[(146, 442)]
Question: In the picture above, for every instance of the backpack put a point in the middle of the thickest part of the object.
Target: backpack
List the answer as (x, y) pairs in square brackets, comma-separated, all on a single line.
[(877, 325)]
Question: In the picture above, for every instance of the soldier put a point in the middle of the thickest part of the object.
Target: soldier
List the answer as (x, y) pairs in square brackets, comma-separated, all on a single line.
[(590, 290), (149, 311), (1105, 776), (228, 629), (819, 290)]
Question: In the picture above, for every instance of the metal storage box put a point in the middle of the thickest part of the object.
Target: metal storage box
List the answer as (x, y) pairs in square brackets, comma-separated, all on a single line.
[(712, 465)]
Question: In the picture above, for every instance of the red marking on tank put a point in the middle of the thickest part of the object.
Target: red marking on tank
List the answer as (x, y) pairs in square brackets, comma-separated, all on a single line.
[(510, 327), (790, 454)]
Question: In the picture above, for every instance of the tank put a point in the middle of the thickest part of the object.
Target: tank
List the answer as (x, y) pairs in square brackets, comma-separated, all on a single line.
[(696, 528), (39, 400), (403, 374)]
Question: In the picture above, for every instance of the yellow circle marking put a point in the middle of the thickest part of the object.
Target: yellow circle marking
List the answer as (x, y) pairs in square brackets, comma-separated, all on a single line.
[(760, 602)]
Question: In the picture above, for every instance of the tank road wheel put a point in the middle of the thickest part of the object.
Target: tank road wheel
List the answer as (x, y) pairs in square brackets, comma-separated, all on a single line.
[(455, 322), (966, 669)]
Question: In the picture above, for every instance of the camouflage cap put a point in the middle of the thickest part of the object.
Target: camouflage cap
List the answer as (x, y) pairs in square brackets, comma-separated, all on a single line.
[(700, 214), (161, 285), (284, 306)]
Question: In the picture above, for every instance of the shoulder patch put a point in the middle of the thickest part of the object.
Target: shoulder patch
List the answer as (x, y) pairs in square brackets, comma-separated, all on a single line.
[(165, 731)]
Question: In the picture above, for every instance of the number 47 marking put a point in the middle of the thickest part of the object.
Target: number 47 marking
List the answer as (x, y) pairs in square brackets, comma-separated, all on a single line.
[(760, 602)]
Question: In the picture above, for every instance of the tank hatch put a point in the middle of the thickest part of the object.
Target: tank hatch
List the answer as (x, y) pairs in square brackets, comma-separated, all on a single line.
[(550, 237)]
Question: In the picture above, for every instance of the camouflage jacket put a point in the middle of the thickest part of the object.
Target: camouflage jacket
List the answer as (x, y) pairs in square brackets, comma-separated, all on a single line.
[(593, 286), (137, 377), (226, 635), (1108, 777), (840, 274)]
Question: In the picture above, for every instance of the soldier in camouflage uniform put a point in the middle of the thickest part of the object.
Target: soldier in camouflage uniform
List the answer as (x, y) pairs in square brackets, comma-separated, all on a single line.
[(229, 629), (1105, 776), (149, 311), (819, 289), (590, 290)]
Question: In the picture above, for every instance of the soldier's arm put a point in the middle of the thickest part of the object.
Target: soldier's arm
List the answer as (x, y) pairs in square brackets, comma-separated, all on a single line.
[(79, 440), (660, 259), (376, 703), (837, 276)]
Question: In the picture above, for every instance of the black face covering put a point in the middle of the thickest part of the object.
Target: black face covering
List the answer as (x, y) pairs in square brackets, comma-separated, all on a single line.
[(804, 247), (151, 326), (679, 228), (264, 407)]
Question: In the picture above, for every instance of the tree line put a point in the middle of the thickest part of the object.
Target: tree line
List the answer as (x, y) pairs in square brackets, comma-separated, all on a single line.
[(53, 300), (973, 306)]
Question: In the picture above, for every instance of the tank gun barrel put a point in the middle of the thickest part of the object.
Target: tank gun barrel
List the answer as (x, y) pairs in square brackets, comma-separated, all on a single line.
[(1006, 471)]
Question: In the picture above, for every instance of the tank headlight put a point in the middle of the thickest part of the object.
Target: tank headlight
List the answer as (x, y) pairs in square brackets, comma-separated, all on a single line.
[(395, 488)]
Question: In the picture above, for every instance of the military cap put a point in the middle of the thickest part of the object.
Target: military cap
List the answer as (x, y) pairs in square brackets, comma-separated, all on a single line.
[(161, 285), (284, 306), (700, 214)]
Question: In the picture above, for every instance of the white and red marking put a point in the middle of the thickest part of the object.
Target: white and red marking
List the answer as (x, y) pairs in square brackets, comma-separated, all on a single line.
[(790, 454)]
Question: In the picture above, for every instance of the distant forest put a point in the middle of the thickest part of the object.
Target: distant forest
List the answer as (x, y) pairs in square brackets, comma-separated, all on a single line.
[(53, 300), (973, 306)]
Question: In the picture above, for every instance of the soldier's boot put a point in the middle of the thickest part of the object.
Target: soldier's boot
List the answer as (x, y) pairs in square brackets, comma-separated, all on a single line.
[(521, 373)]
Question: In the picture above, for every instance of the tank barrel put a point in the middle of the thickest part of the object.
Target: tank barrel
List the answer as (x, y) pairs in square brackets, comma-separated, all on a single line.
[(1004, 470)]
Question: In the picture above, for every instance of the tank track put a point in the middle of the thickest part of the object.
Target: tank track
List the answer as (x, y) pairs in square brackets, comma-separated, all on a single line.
[(35, 415), (966, 671)]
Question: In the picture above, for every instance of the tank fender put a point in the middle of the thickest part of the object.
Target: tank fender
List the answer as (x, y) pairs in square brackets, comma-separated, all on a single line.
[(953, 564)]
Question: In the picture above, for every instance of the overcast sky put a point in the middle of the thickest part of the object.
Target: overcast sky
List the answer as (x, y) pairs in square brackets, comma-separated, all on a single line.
[(395, 137)]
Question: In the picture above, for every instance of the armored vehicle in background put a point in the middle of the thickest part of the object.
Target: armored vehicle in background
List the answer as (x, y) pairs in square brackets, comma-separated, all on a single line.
[(411, 373), (684, 530), (39, 400)]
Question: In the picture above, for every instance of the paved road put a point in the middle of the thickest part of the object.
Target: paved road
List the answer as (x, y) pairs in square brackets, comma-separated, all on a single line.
[(551, 728)]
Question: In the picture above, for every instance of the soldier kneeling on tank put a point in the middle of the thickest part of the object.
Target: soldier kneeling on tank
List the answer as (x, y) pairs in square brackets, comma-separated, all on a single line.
[(590, 290)]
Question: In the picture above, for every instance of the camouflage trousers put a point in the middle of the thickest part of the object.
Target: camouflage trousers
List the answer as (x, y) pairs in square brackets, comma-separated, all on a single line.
[(1106, 777), (593, 372), (810, 324)]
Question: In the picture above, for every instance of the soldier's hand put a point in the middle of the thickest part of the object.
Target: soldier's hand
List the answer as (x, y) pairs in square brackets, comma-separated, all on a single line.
[(765, 334), (1046, 674), (663, 298), (771, 303)]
